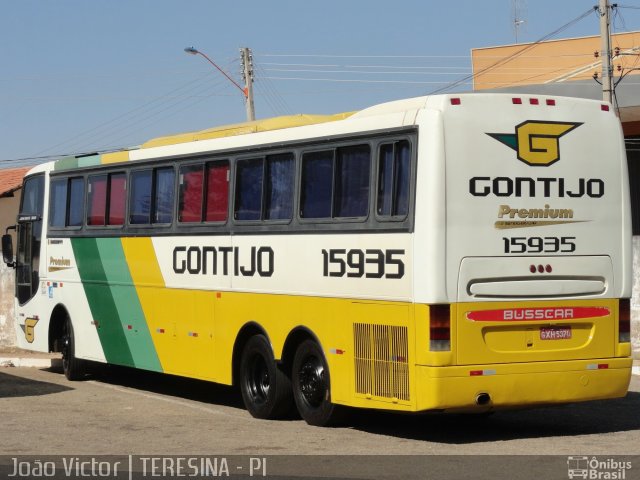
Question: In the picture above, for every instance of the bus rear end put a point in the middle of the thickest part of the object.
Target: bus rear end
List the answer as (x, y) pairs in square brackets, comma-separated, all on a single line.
[(538, 256)]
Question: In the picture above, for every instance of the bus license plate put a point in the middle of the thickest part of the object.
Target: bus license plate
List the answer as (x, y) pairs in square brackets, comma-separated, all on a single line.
[(555, 333)]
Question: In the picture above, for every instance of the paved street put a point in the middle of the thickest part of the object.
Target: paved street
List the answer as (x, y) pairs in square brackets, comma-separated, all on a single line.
[(121, 411)]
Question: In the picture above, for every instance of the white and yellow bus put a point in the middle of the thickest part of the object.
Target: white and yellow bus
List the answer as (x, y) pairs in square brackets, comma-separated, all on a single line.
[(466, 252)]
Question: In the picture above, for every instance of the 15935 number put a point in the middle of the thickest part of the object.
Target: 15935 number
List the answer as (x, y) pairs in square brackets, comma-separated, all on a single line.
[(539, 244), (356, 263)]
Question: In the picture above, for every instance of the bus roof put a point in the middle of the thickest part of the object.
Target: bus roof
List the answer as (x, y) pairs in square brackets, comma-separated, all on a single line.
[(243, 128)]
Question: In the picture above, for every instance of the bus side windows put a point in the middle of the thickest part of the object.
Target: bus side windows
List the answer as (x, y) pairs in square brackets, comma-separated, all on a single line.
[(140, 198), (217, 206), (394, 178), (191, 184), (67, 202), (151, 196), (264, 188), (278, 188), (58, 203), (106, 199), (204, 192), (335, 183), (164, 188)]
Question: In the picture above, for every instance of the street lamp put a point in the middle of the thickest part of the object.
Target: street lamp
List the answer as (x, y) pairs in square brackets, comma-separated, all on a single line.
[(245, 91)]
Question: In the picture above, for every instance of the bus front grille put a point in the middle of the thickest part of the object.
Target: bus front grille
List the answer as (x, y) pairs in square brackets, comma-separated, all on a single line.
[(381, 361)]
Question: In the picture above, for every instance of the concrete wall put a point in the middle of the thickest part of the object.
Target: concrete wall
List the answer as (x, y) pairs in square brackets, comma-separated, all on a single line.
[(635, 299), (7, 329), (8, 212)]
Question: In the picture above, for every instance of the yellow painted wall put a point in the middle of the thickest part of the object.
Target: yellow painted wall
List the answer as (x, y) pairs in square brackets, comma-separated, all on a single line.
[(553, 61)]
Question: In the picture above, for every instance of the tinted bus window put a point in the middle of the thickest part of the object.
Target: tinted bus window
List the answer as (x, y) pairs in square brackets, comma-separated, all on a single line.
[(279, 187), (58, 203), (140, 197), (164, 194), (335, 183), (191, 182), (317, 184), (76, 202), (117, 195), (97, 200), (248, 205), (393, 179), (217, 191), (353, 166)]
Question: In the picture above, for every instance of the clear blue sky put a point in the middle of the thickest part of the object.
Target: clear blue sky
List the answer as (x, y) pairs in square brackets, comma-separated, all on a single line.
[(81, 76)]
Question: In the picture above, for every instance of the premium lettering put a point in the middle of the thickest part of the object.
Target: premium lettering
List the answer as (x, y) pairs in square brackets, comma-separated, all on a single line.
[(505, 211)]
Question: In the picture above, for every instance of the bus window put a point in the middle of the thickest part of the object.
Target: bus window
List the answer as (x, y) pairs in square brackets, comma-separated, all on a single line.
[(317, 183), (191, 183), (97, 201), (217, 191), (336, 183), (58, 201), (353, 165), (76, 202), (248, 203), (164, 194), (393, 179), (140, 199), (279, 187), (117, 195)]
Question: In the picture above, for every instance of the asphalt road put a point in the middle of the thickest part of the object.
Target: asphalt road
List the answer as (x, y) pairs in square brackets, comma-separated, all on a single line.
[(119, 411)]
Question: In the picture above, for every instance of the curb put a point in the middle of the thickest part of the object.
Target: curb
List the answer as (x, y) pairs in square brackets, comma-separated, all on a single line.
[(8, 362)]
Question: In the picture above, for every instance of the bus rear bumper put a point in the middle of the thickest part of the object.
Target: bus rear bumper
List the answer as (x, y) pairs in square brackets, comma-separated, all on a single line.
[(486, 387)]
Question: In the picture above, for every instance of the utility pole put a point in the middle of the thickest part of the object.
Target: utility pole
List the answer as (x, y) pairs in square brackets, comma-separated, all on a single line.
[(247, 75), (605, 35)]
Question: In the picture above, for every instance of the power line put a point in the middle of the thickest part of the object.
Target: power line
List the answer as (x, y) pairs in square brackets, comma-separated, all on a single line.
[(517, 54)]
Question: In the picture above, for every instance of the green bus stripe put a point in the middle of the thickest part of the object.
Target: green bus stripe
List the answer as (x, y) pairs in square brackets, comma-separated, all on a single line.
[(101, 301), (69, 163), (127, 304)]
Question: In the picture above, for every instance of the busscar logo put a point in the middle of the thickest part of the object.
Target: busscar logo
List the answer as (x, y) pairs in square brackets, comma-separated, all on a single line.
[(537, 143)]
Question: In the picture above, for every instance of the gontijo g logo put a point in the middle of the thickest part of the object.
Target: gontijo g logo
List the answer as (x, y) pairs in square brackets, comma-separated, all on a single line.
[(537, 143)]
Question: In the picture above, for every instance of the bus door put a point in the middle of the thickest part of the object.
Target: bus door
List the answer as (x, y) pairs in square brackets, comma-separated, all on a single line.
[(29, 238)]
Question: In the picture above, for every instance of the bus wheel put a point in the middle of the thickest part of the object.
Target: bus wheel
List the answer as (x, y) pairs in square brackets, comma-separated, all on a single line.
[(72, 367), (266, 389), (311, 387)]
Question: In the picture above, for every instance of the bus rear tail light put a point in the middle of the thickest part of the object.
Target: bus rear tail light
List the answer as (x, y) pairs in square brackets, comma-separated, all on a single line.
[(624, 321), (439, 328)]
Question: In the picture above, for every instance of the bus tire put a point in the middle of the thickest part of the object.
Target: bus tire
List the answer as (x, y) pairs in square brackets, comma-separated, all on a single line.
[(312, 387), (72, 367), (265, 387)]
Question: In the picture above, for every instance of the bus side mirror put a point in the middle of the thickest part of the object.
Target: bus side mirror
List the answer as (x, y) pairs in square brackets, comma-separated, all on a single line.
[(7, 250)]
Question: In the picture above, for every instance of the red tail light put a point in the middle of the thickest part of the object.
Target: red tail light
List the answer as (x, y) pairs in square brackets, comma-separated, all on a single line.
[(624, 320), (439, 328)]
